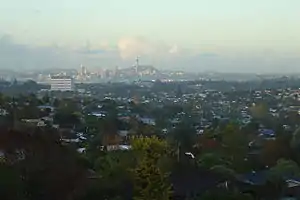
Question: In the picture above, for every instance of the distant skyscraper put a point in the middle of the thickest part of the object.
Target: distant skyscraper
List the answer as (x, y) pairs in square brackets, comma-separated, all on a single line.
[(106, 73), (83, 70)]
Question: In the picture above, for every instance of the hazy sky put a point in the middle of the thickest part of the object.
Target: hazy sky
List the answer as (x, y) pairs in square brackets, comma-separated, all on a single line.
[(233, 35)]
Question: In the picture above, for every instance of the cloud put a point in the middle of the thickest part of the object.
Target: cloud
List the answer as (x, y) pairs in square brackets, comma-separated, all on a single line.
[(130, 47), (102, 49), (174, 49), (88, 49), (91, 51), (104, 55), (19, 56)]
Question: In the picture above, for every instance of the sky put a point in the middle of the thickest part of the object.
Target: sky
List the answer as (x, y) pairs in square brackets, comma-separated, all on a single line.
[(192, 35)]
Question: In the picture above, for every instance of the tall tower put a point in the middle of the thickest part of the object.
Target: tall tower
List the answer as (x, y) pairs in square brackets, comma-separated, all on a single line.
[(136, 64)]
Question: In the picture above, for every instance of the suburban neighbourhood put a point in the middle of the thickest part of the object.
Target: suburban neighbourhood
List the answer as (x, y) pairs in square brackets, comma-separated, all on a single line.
[(169, 140)]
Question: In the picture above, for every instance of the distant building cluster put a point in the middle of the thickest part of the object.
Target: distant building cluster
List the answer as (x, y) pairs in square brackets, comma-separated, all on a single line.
[(64, 79)]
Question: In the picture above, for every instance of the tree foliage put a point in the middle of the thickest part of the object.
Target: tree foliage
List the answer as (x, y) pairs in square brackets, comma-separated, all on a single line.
[(285, 168), (150, 182), (259, 110), (210, 160), (42, 167)]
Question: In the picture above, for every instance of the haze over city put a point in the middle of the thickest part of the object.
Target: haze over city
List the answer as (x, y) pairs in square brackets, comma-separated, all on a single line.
[(195, 35)]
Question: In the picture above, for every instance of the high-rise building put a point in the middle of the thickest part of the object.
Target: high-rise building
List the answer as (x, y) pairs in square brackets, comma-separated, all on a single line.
[(62, 83), (83, 70)]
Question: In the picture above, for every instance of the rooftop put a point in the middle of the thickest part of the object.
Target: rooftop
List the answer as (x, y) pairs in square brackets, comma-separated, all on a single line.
[(61, 77)]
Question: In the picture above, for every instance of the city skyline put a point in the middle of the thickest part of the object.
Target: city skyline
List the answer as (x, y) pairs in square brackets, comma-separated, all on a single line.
[(197, 35)]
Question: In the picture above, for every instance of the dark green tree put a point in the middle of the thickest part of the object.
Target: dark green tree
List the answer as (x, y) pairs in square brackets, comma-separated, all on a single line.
[(150, 182)]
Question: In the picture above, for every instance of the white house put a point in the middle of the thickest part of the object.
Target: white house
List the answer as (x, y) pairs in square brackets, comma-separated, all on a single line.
[(62, 83)]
